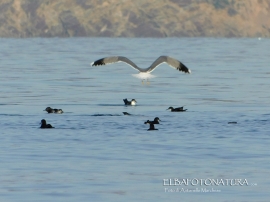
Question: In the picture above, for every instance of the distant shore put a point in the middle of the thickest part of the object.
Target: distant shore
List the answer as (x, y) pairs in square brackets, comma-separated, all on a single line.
[(114, 18)]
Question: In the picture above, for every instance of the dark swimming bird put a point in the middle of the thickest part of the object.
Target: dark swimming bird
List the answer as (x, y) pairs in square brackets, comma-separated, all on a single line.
[(45, 125), (156, 121), (132, 102), (144, 73), (178, 109), (152, 126), (56, 111), (232, 122), (125, 113)]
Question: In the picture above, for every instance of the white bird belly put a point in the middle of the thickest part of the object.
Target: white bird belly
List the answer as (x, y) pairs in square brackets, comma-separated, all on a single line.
[(143, 76)]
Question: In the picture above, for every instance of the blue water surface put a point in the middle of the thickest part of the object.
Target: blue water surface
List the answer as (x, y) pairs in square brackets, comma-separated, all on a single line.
[(95, 153)]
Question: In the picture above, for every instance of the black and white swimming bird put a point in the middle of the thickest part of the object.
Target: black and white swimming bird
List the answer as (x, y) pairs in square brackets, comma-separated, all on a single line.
[(144, 73), (132, 102), (156, 121), (126, 113), (45, 125), (51, 110), (178, 109)]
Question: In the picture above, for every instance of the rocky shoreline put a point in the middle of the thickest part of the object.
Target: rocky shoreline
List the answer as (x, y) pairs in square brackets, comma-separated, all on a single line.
[(140, 18)]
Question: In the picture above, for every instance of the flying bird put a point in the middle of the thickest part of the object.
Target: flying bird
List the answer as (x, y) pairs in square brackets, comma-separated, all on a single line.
[(144, 73)]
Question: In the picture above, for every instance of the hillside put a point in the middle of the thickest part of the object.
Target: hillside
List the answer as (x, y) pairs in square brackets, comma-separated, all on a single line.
[(135, 18)]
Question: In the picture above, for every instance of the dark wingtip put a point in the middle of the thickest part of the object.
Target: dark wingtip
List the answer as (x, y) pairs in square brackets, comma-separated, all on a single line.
[(98, 62), (184, 68)]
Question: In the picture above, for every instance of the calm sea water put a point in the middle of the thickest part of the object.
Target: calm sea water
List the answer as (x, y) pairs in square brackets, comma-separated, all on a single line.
[(95, 153)]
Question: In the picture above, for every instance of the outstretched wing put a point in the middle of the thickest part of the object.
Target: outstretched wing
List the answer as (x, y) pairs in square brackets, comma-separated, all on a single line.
[(170, 61), (114, 59)]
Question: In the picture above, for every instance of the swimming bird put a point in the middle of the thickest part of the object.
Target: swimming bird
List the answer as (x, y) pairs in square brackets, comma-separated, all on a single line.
[(125, 113), (232, 122), (56, 111), (144, 73), (132, 102), (152, 126), (45, 125), (178, 109), (156, 121)]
